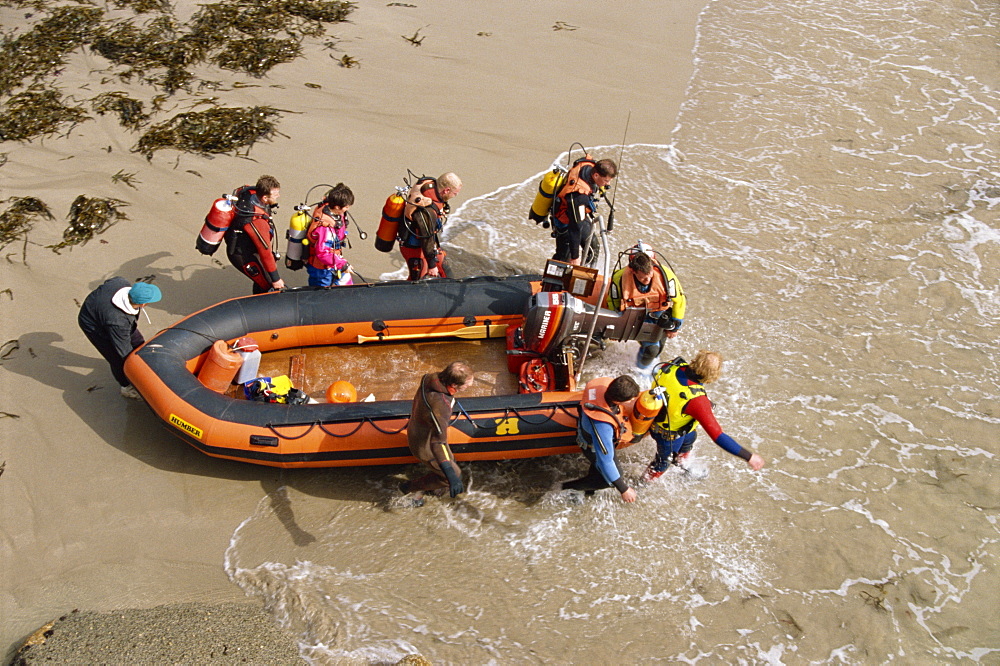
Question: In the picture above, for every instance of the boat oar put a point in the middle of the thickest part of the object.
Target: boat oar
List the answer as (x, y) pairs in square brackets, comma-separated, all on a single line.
[(469, 332)]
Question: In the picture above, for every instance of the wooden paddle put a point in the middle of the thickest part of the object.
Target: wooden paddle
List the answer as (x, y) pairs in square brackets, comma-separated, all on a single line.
[(469, 332)]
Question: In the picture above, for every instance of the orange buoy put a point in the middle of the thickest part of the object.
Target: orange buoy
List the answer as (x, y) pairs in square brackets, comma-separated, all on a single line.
[(341, 391), (220, 367)]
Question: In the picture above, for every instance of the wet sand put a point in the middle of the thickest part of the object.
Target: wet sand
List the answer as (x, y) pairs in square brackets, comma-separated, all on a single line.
[(103, 509)]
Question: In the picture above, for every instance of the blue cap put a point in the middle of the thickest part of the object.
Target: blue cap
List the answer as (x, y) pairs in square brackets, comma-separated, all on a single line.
[(143, 292)]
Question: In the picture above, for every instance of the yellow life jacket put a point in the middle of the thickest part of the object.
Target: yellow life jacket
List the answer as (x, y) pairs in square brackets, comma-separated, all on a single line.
[(672, 417)]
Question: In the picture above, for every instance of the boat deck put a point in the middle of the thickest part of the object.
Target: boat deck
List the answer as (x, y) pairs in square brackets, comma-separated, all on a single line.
[(390, 370)]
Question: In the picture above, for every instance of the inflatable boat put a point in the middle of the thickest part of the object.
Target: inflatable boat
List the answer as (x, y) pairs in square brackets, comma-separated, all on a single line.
[(524, 334)]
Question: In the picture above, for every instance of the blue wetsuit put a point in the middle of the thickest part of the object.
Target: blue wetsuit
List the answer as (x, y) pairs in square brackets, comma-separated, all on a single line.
[(604, 471)]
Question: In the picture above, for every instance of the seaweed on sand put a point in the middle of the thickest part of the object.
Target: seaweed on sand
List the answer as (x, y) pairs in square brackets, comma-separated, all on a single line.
[(36, 112), (143, 6), (214, 131), (44, 49), (159, 46), (88, 217), (267, 17), (129, 110), (19, 219), (257, 55)]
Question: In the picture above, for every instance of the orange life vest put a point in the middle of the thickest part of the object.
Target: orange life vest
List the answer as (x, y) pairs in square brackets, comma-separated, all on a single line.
[(595, 405), (574, 184), (654, 300), (407, 236)]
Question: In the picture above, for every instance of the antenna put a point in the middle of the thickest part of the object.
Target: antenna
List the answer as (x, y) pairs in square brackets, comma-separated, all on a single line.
[(614, 191)]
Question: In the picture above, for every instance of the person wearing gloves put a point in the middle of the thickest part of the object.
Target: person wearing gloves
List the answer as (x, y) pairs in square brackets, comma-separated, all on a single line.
[(687, 405), (647, 283), (109, 318), (603, 426), (427, 431)]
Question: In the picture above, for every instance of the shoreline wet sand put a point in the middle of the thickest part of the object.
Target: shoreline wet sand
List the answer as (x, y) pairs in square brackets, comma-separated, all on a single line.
[(103, 508)]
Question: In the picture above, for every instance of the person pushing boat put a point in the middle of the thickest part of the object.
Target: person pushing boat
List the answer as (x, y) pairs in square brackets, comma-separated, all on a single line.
[(109, 317), (427, 431), (604, 426)]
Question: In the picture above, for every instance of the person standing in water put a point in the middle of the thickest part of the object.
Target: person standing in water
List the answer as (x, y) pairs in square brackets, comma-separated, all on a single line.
[(427, 431), (645, 282), (424, 216), (687, 406), (603, 426)]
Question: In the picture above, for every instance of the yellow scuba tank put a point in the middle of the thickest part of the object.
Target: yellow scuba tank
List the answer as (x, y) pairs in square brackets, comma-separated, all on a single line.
[(552, 181), (388, 226), (296, 235)]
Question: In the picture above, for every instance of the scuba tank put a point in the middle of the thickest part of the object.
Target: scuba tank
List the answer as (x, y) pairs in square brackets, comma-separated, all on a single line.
[(543, 208), (551, 183), (217, 222), (392, 216), (644, 410), (297, 228)]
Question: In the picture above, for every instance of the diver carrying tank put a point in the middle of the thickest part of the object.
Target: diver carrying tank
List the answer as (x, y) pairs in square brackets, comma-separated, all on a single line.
[(392, 217), (217, 222)]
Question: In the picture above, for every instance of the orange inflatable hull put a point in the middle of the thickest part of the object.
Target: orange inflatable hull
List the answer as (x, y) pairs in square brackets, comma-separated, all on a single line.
[(494, 427)]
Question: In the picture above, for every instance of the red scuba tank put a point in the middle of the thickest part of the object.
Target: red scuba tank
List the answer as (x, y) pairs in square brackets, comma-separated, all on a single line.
[(217, 222), (388, 226)]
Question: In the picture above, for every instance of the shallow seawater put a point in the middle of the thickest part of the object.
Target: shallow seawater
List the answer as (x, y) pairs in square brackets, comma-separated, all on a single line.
[(830, 199)]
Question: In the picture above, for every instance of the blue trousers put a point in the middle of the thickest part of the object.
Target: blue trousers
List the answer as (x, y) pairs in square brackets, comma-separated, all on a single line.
[(666, 448)]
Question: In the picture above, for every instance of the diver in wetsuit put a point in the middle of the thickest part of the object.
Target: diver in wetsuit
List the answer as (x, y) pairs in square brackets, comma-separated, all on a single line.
[(602, 427), (427, 431)]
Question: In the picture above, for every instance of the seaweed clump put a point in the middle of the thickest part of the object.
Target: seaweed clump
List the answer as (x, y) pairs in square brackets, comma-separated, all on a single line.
[(238, 35), (129, 110), (214, 131), (143, 6), (44, 49), (268, 17), (19, 218), (37, 112), (89, 216), (257, 55), (159, 46)]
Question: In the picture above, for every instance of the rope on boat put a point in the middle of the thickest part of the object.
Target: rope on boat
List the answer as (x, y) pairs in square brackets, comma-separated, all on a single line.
[(573, 414)]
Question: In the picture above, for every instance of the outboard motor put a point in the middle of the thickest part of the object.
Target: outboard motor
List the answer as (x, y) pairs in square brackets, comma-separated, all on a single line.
[(555, 316), (552, 317)]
